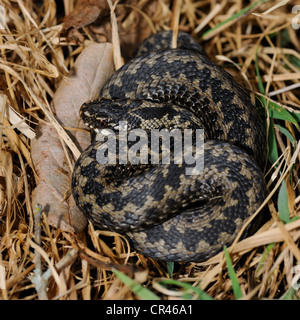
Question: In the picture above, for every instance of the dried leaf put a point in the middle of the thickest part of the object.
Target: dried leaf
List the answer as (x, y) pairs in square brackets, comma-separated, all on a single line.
[(85, 13), (92, 68)]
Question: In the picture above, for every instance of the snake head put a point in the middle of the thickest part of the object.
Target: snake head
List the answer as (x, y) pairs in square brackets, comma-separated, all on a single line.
[(102, 113)]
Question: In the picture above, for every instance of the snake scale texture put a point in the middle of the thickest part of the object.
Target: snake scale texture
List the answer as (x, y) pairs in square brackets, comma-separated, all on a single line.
[(167, 214)]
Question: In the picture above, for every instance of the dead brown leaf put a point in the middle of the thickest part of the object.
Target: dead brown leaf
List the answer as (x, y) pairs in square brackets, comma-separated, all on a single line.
[(134, 23), (52, 162), (85, 13)]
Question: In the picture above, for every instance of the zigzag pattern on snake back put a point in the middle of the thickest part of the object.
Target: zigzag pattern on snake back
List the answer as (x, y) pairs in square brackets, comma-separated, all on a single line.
[(167, 214)]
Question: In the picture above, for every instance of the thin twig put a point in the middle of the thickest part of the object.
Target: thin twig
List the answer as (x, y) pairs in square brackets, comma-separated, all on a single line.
[(38, 281), (175, 21), (115, 36)]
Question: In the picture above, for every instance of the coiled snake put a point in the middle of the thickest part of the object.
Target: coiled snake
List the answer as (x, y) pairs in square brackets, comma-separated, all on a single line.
[(169, 215)]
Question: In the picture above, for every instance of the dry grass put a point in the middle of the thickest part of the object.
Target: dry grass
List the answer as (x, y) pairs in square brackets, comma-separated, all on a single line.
[(33, 59)]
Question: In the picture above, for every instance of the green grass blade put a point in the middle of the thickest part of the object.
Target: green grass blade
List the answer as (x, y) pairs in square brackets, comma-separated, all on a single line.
[(135, 287), (273, 152), (287, 134), (188, 289), (294, 61), (277, 112), (260, 84), (264, 256), (170, 268), (296, 116), (234, 280), (290, 294), (283, 206), (237, 15)]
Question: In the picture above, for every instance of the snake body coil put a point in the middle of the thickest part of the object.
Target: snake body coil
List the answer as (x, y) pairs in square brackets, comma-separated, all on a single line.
[(167, 214)]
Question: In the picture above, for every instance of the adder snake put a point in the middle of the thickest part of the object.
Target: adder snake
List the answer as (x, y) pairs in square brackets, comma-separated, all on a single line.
[(167, 214)]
